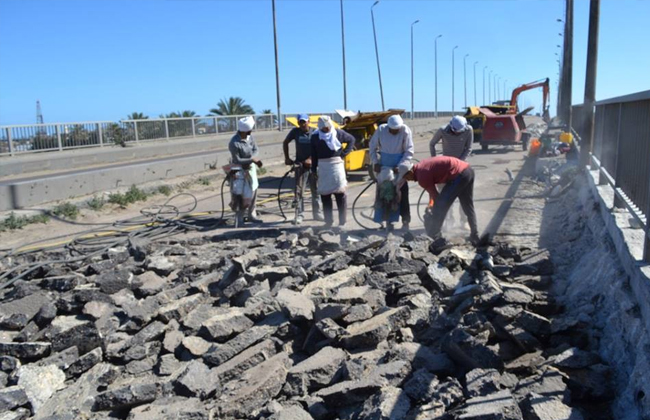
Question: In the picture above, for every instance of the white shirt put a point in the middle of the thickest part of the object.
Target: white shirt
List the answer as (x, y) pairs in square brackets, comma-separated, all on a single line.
[(383, 141)]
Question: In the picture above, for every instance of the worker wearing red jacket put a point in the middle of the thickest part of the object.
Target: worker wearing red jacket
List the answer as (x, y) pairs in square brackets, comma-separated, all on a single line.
[(458, 177)]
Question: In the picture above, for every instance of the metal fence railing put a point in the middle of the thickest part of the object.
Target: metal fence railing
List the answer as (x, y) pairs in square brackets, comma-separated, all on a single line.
[(22, 139), (621, 148)]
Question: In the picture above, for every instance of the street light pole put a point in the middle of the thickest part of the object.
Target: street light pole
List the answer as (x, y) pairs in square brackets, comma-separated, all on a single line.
[(374, 32), (475, 101), (412, 87), (345, 89), (484, 68), (490, 87), (277, 68), (505, 82), (452, 79), (465, 76), (435, 43)]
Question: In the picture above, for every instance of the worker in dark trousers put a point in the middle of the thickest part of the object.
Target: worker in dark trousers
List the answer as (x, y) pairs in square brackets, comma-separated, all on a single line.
[(458, 178), (302, 168)]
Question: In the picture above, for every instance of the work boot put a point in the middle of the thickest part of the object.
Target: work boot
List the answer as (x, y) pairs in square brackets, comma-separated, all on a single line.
[(474, 239), (239, 221), (319, 217), (390, 227), (298, 220), (439, 244), (405, 226), (254, 219)]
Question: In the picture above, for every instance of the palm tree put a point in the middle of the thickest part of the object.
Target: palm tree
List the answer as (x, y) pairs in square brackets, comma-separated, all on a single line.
[(137, 116), (187, 113), (184, 114), (267, 111), (232, 106)]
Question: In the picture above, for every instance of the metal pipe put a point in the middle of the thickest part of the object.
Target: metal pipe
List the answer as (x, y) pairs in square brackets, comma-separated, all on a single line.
[(453, 104), (484, 68), (412, 82), (374, 32), (435, 43), (567, 61), (345, 89), (277, 68), (489, 87)]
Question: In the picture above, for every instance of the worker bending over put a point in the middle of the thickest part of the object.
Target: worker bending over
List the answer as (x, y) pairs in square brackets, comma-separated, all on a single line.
[(458, 178), (243, 151), (327, 155), (302, 168), (391, 146), (457, 139)]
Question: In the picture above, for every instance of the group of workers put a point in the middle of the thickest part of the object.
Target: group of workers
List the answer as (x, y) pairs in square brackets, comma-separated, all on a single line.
[(319, 164)]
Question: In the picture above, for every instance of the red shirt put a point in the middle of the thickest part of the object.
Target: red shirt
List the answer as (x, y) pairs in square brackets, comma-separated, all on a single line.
[(437, 170)]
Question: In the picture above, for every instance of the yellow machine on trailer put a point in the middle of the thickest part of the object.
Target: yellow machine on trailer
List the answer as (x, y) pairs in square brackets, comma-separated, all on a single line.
[(362, 126)]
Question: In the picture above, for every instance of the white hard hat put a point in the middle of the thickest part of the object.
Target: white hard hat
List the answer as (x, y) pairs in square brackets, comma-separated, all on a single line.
[(395, 122)]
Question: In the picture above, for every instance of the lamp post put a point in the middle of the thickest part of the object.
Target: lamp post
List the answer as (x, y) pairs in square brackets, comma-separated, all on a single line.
[(412, 87), (374, 32), (484, 68), (465, 76), (490, 87), (277, 67), (505, 82), (453, 104), (435, 44), (475, 101), (345, 89)]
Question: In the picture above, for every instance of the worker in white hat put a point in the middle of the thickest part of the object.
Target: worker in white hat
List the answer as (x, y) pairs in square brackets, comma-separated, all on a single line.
[(457, 140), (243, 151), (327, 154), (391, 146)]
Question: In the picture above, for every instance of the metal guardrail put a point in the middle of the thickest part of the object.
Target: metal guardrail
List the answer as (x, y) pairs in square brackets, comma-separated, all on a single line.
[(52, 137), (621, 153)]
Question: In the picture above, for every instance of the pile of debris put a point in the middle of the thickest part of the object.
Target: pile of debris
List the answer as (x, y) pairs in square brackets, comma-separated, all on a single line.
[(297, 326)]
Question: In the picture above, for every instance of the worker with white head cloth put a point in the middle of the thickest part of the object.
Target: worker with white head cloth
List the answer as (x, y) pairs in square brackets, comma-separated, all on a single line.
[(457, 140), (327, 154), (391, 146), (243, 151)]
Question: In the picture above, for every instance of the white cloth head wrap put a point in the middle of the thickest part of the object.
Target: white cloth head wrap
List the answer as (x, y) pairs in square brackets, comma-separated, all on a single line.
[(330, 137), (395, 122), (245, 124)]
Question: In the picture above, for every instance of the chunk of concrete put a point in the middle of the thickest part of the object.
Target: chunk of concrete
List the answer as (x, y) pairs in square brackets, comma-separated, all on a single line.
[(26, 351), (539, 407), (296, 305), (245, 360), (197, 380), (12, 397), (371, 332), (40, 383), (315, 372), (497, 406), (220, 353), (325, 286), (171, 408), (227, 322), (390, 403)]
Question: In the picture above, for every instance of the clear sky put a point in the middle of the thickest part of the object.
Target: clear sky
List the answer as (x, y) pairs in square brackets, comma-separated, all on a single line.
[(101, 60)]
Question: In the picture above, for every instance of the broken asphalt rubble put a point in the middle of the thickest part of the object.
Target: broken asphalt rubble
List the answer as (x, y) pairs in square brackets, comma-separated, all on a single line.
[(292, 326)]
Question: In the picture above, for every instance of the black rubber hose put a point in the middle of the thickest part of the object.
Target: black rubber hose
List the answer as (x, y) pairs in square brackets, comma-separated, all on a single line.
[(279, 193), (354, 205), (418, 207)]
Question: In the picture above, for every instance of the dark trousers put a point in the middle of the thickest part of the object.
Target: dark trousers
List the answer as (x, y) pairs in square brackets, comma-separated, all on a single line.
[(304, 177), (462, 187), (404, 204), (341, 205)]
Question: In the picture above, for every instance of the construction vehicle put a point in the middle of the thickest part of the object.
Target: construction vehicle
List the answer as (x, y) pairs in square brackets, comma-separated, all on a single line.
[(362, 126), (477, 116)]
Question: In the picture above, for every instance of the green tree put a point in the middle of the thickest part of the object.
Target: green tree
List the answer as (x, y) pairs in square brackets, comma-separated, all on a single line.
[(232, 106), (184, 114), (267, 111), (137, 116)]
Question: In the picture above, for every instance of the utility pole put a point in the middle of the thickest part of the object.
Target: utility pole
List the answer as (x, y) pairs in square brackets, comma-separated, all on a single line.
[(412, 87), (277, 68), (567, 66), (374, 32), (465, 76), (435, 43), (590, 84), (345, 89), (452, 79)]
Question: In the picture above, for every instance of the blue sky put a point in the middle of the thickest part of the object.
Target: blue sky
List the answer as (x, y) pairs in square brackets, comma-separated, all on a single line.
[(100, 60)]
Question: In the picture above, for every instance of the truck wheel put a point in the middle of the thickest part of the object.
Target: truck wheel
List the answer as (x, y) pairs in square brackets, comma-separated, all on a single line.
[(484, 147)]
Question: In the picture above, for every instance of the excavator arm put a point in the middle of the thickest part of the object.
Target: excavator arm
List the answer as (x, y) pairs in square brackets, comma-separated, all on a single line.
[(543, 83)]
